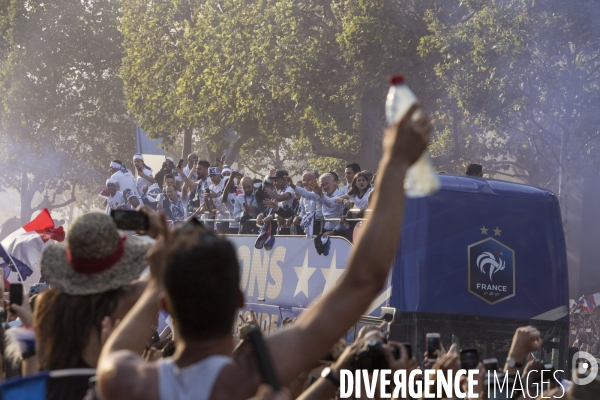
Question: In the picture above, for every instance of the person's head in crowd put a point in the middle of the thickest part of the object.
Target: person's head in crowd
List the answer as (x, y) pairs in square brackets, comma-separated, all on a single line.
[(169, 180), (368, 174), (172, 193), (201, 270), (278, 179), (215, 175), (202, 169), (115, 165), (474, 170), (192, 158), (328, 183), (138, 161), (247, 185), (267, 183), (336, 178), (350, 171), (170, 162), (359, 184), (111, 186), (226, 171), (133, 200), (307, 178), (91, 278), (37, 288)]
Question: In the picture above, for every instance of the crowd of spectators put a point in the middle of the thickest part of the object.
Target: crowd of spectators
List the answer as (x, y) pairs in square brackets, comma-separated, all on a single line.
[(93, 322), (584, 332), (230, 202)]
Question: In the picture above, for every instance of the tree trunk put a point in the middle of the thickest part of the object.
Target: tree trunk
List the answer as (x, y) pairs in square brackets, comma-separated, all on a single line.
[(187, 144), (26, 198), (371, 127)]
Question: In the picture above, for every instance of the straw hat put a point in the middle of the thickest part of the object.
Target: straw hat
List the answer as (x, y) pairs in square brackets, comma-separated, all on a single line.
[(95, 259)]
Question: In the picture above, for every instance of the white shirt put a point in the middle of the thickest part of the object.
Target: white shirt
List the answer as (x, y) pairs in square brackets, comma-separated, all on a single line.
[(230, 204), (179, 209), (125, 181), (201, 190), (361, 202), (117, 200), (186, 171), (330, 208), (194, 382), (309, 205), (286, 204), (141, 182), (219, 190)]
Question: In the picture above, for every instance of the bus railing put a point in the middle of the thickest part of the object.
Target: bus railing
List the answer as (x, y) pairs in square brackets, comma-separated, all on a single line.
[(227, 220)]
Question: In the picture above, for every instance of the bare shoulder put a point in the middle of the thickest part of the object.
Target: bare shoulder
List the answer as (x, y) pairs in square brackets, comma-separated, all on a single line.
[(238, 380), (125, 375)]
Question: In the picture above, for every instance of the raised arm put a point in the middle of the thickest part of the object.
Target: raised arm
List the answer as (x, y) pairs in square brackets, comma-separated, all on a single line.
[(227, 189), (186, 179), (121, 372), (149, 178), (294, 349), (279, 197), (328, 201), (305, 193)]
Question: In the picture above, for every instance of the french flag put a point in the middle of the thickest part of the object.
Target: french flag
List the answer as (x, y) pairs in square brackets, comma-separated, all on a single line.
[(593, 300), (22, 250)]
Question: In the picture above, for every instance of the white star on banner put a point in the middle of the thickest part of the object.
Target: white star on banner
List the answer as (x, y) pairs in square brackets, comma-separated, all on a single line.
[(304, 273), (331, 274)]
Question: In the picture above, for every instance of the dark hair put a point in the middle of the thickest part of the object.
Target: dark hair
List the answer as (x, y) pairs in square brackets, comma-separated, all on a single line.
[(354, 187), (474, 169), (168, 350), (167, 176), (63, 325), (202, 278), (204, 163), (335, 176), (355, 167)]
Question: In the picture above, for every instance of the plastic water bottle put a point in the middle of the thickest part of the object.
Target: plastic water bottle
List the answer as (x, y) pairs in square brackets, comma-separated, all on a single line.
[(421, 178)]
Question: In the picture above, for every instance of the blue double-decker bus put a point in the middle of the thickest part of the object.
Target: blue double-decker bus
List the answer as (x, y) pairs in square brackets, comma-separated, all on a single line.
[(476, 260)]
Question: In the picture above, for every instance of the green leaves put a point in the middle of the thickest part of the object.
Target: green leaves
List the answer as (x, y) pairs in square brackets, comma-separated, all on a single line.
[(62, 114)]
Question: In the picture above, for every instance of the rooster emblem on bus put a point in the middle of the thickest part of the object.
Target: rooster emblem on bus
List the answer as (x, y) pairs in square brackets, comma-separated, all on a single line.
[(496, 263)]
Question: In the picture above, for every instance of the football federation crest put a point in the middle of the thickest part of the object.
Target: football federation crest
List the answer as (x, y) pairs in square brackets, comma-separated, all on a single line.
[(491, 270)]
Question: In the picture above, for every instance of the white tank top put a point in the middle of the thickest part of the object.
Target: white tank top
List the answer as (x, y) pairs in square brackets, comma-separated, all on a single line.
[(193, 382)]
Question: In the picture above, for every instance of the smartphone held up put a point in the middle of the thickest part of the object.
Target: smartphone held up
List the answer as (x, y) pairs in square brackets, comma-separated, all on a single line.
[(128, 220)]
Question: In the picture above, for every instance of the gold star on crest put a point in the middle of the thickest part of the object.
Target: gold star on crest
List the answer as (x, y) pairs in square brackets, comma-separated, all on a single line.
[(483, 230), (497, 231)]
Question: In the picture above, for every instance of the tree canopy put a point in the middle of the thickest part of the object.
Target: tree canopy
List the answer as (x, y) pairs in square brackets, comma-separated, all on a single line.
[(525, 78), (62, 114)]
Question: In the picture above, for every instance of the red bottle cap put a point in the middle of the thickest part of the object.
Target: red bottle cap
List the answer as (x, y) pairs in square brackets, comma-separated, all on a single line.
[(396, 80)]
